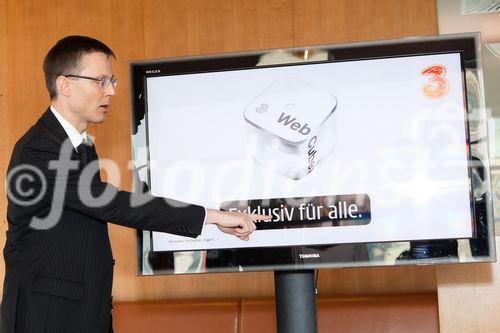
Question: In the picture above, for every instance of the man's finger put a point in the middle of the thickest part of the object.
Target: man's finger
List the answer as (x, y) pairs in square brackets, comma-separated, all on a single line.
[(243, 231)]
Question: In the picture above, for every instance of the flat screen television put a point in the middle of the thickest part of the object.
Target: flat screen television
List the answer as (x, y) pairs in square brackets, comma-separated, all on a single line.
[(364, 154)]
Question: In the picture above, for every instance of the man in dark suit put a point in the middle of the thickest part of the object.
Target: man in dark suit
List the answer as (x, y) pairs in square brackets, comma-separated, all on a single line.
[(59, 265)]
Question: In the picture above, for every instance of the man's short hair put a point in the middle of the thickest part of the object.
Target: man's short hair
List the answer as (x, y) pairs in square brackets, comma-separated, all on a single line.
[(64, 58)]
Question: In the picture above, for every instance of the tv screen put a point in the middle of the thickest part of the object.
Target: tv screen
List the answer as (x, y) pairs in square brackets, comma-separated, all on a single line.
[(363, 154)]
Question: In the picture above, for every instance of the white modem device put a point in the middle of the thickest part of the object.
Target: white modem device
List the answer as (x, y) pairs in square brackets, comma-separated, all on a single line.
[(291, 126)]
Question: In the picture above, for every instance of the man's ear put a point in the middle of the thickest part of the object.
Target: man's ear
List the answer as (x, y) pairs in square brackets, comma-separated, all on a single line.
[(62, 85)]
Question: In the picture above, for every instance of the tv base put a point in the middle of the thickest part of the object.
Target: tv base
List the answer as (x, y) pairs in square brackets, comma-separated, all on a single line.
[(295, 301)]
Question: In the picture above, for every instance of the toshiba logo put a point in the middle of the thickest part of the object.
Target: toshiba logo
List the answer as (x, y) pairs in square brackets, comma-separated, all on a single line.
[(308, 255)]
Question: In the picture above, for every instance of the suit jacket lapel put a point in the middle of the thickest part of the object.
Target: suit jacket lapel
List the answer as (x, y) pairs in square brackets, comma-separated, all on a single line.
[(54, 127), (50, 122)]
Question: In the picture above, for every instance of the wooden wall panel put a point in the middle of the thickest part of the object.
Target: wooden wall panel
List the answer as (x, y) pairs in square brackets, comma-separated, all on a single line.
[(5, 146), (338, 21), (29, 37), (176, 28), (263, 24), (170, 28), (165, 28), (380, 280)]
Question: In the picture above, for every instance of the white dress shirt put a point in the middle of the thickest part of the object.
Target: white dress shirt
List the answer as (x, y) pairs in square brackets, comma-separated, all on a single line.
[(76, 137)]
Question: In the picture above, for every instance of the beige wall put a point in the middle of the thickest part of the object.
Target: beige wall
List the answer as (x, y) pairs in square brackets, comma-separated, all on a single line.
[(469, 297), (137, 29)]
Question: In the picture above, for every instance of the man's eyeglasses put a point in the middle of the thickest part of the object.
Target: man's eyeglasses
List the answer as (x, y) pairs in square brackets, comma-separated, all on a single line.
[(103, 81)]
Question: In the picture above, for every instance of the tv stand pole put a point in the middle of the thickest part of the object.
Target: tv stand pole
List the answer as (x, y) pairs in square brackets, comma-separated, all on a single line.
[(295, 301)]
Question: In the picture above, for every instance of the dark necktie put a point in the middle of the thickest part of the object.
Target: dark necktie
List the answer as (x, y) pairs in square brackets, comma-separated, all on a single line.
[(83, 153)]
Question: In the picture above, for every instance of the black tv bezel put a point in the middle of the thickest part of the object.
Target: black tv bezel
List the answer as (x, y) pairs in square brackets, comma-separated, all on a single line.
[(339, 255)]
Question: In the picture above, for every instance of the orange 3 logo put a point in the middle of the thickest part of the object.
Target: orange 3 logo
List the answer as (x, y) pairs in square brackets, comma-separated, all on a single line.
[(437, 85)]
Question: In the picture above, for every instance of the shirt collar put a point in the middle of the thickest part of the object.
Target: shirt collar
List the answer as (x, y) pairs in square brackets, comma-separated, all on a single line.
[(76, 137)]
